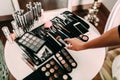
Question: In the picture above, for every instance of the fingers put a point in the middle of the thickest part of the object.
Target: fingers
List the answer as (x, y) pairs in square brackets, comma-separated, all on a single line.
[(67, 40)]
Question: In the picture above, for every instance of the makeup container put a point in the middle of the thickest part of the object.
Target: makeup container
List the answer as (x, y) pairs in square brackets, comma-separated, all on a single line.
[(65, 64), (15, 29), (31, 42), (53, 71), (35, 60), (75, 18), (66, 60), (39, 7), (50, 70), (82, 36), (7, 33), (69, 58), (52, 43)]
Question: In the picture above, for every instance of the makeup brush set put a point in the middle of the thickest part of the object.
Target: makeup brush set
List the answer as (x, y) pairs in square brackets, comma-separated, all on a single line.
[(44, 46)]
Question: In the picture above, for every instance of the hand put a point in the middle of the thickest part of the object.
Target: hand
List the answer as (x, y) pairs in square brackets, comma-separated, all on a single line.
[(75, 44)]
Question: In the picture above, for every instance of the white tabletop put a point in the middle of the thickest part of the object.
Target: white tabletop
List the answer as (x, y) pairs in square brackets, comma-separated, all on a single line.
[(89, 61)]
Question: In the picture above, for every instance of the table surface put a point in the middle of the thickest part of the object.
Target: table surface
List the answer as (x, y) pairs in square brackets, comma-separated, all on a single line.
[(89, 61)]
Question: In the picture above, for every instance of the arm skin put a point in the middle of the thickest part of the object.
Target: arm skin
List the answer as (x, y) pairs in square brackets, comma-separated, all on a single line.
[(110, 38)]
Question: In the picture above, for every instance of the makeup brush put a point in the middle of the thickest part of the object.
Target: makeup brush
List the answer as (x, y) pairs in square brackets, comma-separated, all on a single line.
[(58, 38)]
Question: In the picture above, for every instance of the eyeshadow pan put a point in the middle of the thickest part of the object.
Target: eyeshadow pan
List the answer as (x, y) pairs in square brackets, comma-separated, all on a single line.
[(27, 39), (52, 62), (57, 55), (23, 37), (24, 42), (71, 61), (56, 67), (52, 70), (37, 40), (47, 65), (30, 36), (65, 77), (68, 57), (43, 69), (32, 46), (63, 62), (27, 34), (56, 75), (35, 43), (51, 78), (66, 65), (47, 73), (30, 41), (73, 64), (20, 40), (69, 68), (34, 38), (27, 44), (60, 58)]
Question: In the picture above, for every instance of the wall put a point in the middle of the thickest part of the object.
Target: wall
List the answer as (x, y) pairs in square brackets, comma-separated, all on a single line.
[(82, 2), (6, 7), (109, 3)]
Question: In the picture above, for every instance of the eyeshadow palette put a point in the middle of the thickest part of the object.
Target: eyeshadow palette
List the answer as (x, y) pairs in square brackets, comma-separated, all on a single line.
[(66, 60), (69, 58), (51, 70), (31, 42)]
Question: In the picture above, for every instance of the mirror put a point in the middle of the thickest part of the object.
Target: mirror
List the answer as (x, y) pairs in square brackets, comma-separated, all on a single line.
[(46, 4)]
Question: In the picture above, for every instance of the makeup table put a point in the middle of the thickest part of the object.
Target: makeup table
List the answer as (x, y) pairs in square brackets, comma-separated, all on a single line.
[(89, 62)]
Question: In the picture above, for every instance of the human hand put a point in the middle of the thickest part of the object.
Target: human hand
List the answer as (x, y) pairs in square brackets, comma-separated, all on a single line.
[(75, 44)]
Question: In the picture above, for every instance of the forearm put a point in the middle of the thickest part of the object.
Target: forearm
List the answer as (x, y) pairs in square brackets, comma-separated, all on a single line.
[(109, 38)]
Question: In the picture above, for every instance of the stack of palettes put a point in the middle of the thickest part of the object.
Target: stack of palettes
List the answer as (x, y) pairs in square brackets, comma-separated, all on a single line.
[(24, 21)]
